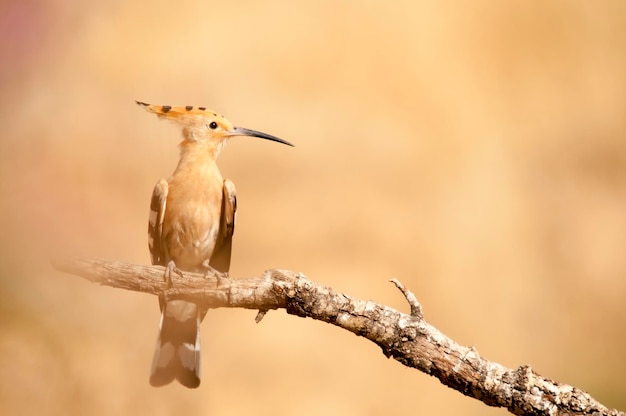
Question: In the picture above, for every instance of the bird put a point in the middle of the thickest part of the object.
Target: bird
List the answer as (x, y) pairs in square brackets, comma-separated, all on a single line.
[(190, 228)]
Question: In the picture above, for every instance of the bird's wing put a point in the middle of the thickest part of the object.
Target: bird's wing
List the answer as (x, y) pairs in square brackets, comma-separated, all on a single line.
[(220, 260), (155, 223)]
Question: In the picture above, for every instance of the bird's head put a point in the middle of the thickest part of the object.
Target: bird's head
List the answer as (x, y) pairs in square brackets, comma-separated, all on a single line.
[(202, 125)]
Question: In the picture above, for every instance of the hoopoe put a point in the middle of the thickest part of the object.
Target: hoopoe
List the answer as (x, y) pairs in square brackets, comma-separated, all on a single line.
[(192, 219)]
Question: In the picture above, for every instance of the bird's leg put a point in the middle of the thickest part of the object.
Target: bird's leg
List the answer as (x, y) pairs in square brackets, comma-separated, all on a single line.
[(169, 269), (211, 271)]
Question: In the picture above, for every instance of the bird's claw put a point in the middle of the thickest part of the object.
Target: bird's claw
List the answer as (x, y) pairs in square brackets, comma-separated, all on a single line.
[(169, 269), (212, 272)]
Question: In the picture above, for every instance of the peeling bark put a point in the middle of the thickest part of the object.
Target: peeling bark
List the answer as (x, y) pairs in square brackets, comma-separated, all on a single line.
[(407, 338)]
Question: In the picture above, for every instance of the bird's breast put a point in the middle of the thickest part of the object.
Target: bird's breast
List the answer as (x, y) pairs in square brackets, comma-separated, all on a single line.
[(192, 220)]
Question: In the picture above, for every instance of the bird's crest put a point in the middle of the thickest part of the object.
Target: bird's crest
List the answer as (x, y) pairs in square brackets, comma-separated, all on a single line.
[(182, 114)]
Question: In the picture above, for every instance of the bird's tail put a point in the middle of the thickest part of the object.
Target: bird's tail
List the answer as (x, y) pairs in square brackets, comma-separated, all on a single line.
[(177, 351)]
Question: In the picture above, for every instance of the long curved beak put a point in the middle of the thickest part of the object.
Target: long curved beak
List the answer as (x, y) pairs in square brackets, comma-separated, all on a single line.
[(240, 131)]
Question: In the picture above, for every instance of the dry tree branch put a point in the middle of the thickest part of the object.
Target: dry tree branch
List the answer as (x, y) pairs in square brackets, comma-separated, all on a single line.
[(407, 338)]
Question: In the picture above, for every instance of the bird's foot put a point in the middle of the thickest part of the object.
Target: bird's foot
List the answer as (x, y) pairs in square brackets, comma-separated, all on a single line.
[(212, 272), (169, 269)]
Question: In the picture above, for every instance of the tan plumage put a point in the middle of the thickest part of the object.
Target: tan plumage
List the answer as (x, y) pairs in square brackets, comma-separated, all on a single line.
[(192, 220)]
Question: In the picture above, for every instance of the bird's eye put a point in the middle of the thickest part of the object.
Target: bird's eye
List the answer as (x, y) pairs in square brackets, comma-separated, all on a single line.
[(213, 125)]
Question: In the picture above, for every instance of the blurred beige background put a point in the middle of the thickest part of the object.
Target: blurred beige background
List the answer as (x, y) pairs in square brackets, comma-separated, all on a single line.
[(474, 150)]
